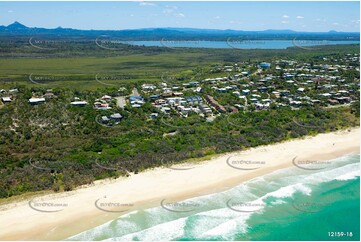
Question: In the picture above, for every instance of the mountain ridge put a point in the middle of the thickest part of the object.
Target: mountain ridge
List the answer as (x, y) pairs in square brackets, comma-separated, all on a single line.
[(174, 33), (18, 25)]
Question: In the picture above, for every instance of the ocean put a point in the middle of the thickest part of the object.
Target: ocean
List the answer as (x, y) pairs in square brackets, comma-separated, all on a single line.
[(288, 204)]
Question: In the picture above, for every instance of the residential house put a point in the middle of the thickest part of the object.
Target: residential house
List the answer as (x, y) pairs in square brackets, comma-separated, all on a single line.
[(6, 99), (49, 95), (79, 103), (105, 119), (194, 100), (13, 90), (148, 87), (154, 115), (106, 98), (116, 117), (215, 104), (265, 65), (35, 100), (205, 109)]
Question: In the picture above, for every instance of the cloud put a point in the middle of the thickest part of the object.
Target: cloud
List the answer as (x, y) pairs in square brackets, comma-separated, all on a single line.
[(169, 9), (300, 17), (10, 11), (336, 24), (285, 22), (285, 16), (235, 22), (217, 17), (147, 4), (172, 11)]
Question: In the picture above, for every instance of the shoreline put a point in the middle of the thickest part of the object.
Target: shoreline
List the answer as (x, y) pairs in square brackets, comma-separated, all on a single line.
[(20, 222)]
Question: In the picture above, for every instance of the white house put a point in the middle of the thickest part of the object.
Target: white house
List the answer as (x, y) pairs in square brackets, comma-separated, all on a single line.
[(79, 103), (35, 100), (6, 99)]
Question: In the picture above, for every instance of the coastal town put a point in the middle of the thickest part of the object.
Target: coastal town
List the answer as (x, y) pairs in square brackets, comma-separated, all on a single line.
[(238, 87), (180, 120)]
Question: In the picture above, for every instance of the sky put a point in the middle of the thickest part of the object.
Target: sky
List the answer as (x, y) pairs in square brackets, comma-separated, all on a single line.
[(298, 16)]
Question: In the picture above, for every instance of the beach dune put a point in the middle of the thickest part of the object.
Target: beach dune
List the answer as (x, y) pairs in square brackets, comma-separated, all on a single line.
[(59, 216)]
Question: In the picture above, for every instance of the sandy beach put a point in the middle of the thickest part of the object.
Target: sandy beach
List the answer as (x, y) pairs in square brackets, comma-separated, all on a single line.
[(59, 216)]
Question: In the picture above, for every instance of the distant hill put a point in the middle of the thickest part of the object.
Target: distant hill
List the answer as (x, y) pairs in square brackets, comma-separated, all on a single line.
[(18, 29), (284, 31)]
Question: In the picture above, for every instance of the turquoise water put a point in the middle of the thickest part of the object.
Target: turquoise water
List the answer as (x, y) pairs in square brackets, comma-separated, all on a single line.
[(241, 43), (289, 204)]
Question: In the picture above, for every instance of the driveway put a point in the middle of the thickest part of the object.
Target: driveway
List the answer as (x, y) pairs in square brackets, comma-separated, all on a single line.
[(120, 101)]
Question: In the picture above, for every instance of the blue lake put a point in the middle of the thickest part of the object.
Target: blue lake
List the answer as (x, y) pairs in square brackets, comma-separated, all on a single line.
[(241, 44)]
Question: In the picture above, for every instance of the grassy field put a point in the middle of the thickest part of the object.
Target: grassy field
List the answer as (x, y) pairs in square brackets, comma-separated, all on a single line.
[(78, 72)]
